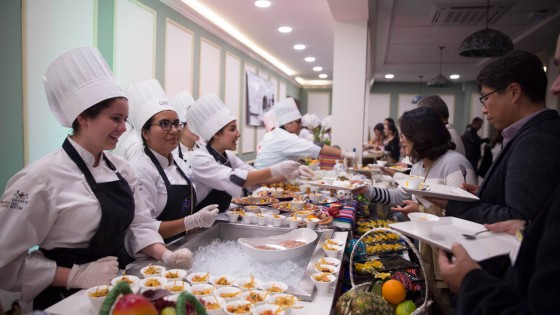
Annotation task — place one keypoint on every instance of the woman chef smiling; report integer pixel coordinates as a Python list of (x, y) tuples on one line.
[(166, 188), (218, 173), (80, 205)]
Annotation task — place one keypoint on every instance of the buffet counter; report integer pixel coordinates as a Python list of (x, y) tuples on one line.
[(302, 287)]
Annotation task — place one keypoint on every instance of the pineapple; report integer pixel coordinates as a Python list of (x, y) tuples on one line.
[(357, 302)]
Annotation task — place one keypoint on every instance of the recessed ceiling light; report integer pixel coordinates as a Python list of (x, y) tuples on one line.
[(299, 47), (454, 76), (284, 29), (309, 59), (317, 69), (389, 76), (323, 76), (544, 68), (262, 3)]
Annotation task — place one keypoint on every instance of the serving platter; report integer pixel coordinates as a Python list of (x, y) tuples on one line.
[(440, 191), (338, 185), (285, 206), (449, 230), (399, 168), (254, 201)]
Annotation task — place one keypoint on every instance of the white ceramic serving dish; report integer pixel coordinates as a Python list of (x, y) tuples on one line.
[(280, 251)]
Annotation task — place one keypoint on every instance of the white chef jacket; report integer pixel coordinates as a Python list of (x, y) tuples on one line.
[(129, 145), (186, 152), (306, 134), (49, 203), (210, 174), (279, 145), (151, 185)]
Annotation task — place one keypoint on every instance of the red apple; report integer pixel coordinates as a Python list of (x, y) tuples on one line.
[(132, 304)]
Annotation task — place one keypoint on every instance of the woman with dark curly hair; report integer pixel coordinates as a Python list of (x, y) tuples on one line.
[(427, 142)]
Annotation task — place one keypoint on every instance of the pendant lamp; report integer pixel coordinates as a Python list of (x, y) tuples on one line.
[(487, 42), (418, 97), (439, 80)]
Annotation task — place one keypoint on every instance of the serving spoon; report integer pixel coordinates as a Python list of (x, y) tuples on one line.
[(473, 236)]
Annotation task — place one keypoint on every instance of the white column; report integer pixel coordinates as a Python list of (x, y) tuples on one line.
[(349, 84)]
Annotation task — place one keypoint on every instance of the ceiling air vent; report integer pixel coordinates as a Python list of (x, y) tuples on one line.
[(469, 14)]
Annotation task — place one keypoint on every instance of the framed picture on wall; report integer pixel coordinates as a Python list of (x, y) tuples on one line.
[(260, 98)]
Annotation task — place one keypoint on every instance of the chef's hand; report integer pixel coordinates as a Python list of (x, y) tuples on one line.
[(94, 273), (181, 258), (347, 154), (305, 171), (454, 271), (203, 218), (409, 207), (284, 168)]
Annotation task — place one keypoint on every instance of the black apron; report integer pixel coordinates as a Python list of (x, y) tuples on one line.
[(117, 212), (219, 197), (180, 198)]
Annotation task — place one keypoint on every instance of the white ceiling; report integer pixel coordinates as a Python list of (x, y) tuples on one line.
[(405, 41)]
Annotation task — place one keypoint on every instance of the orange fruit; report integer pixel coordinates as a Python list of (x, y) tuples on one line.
[(393, 291)]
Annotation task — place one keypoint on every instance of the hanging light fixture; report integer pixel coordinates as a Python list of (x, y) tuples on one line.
[(418, 97), (486, 42), (439, 80)]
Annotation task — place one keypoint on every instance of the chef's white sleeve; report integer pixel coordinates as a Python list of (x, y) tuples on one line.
[(217, 176), (26, 216)]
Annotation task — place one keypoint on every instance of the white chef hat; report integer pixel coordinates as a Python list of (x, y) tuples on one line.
[(327, 122), (286, 111), (208, 115), (180, 102), (306, 120), (315, 121), (146, 99), (269, 120), (77, 80)]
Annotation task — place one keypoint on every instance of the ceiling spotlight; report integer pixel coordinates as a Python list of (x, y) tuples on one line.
[(262, 3), (309, 59), (317, 69), (284, 29), (454, 76), (389, 76), (323, 76), (299, 47)]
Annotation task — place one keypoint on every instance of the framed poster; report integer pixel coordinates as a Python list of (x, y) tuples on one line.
[(260, 98)]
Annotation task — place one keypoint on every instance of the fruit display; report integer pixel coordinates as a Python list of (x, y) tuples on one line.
[(149, 303), (405, 308), (369, 266), (384, 247), (380, 237), (357, 302), (393, 291), (364, 226)]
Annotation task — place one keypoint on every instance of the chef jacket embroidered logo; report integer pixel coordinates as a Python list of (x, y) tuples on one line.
[(19, 200)]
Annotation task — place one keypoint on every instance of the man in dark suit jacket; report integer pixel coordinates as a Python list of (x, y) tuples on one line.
[(530, 283), (513, 90), (530, 286)]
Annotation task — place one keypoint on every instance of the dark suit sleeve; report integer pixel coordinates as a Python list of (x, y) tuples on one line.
[(481, 293), (532, 172)]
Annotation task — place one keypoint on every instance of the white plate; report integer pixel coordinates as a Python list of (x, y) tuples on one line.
[(449, 230), (248, 245), (368, 170), (399, 169), (441, 191), (325, 186)]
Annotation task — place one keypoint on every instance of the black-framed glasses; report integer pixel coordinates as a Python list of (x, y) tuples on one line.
[(484, 98), (166, 124)]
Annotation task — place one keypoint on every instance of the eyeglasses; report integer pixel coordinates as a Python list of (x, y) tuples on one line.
[(165, 124), (484, 98)]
